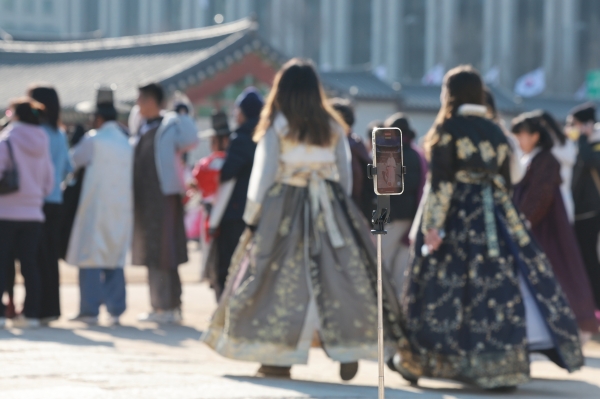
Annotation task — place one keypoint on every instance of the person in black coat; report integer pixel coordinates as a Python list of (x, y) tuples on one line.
[(238, 166), (362, 189), (586, 189), (396, 245)]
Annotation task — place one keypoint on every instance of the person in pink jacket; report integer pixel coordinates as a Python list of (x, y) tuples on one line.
[(21, 215)]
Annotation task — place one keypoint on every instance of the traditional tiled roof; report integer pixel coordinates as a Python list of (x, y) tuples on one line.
[(417, 97), (187, 59), (361, 85), (558, 107), (175, 59), (182, 40), (506, 102)]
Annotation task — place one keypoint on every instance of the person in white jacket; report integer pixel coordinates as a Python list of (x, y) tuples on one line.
[(103, 226)]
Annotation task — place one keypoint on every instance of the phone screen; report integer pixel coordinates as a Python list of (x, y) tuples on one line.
[(388, 158)]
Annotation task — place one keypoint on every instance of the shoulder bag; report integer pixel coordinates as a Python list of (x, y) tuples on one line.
[(9, 183)]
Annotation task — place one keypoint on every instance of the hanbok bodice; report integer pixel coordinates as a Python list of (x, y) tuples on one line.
[(279, 159), (304, 163), (299, 163), (466, 149)]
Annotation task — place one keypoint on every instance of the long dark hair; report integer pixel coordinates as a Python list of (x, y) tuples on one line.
[(530, 123), (402, 122), (48, 96), (462, 85), (298, 94), (344, 107), (27, 110), (557, 133)]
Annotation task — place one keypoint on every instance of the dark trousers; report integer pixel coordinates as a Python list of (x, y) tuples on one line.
[(165, 288), (587, 231), (230, 232), (48, 260), (21, 240)]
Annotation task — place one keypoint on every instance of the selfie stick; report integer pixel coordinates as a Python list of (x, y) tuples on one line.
[(381, 216)]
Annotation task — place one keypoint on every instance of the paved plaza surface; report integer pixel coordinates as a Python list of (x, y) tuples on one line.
[(143, 360)]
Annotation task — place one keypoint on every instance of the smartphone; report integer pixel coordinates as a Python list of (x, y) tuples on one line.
[(388, 158)]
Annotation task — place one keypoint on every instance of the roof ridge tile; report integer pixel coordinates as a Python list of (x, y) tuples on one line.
[(112, 43)]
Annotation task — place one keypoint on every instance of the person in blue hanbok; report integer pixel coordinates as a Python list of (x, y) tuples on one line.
[(482, 296)]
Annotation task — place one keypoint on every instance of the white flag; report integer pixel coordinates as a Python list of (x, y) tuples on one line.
[(435, 76), (581, 93), (492, 77), (531, 84), (381, 72)]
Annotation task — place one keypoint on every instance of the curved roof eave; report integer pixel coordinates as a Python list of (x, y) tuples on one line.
[(126, 42)]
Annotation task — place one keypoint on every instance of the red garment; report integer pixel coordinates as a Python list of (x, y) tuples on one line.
[(207, 173)]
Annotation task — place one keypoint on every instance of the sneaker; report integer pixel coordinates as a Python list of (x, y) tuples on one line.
[(176, 316), (158, 316), (2, 322), (394, 364), (90, 320), (348, 370), (113, 321), (274, 371), (25, 322), (162, 317), (45, 321)]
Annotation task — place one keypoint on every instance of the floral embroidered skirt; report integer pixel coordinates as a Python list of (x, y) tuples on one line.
[(292, 264), (464, 311)]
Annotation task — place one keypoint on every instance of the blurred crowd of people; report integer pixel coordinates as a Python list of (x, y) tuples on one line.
[(491, 252), (112, 192)]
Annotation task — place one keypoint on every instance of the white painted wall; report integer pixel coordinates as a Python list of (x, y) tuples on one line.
[(421, 122), (367, 111)]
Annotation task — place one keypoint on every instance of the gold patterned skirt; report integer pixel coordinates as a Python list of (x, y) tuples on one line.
[(464, 311), (291, 278)]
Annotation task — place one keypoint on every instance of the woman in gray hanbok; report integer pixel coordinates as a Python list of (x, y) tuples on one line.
[(307, 262)]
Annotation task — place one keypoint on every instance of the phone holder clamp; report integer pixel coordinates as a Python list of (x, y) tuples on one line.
[(371, 171), (381, 215)]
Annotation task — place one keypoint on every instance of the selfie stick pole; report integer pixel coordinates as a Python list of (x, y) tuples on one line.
[(380, 218)]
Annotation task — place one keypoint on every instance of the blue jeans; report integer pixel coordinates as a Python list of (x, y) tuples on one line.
[(101, 286)]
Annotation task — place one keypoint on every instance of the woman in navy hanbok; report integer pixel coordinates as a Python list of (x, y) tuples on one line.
[(482, 296)]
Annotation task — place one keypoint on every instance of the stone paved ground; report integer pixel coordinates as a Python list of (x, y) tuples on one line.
[(138, 360)]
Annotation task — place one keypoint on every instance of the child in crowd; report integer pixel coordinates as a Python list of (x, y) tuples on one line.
[(207, 174), (538, 197)]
